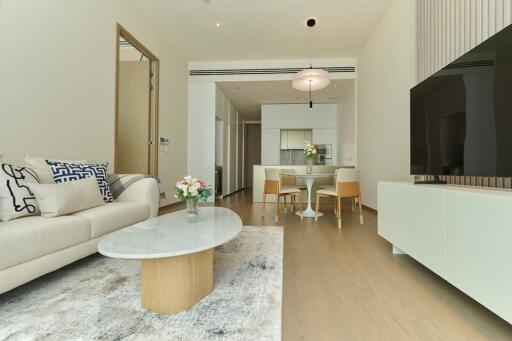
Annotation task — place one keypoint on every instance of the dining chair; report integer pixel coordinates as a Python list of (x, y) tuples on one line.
[(274, 186), (347, 186), (289, 179)]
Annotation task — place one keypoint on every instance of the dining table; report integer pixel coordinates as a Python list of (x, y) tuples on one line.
[(309, 179)]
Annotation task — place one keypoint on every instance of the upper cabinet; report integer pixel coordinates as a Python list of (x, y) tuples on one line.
[(308, 136), (294, 139), (284, 139)]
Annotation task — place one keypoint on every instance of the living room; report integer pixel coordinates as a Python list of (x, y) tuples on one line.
[(368, 251)]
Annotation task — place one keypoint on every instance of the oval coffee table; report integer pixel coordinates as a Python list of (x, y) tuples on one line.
[(177, 256)]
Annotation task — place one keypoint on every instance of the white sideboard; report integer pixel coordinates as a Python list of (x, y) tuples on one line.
[(463, 234)]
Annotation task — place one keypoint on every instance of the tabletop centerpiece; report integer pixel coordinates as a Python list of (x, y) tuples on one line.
[(309, 153), (192, 191)]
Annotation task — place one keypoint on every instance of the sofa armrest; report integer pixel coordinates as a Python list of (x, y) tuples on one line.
[(144, 191)]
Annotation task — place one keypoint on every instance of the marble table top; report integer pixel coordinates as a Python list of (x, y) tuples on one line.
[(171, 235)]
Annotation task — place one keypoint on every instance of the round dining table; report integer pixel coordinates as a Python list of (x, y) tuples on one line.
[(309, 179)]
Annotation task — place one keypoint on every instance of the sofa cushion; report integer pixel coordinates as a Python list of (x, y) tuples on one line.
[(16, 199), (113, 216), (39, 165), (68, 197), (28, 238), (64, 172)]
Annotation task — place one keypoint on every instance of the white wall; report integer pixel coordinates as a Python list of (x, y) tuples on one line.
[(57, 81), (347, 125), (211, 112), (274, 117), (270, 145), (219, 142), (201, 135), (233, 140), (240, 133), (386, 72), (298, 116)]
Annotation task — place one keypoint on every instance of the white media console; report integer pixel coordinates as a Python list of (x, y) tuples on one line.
[(463, 234)]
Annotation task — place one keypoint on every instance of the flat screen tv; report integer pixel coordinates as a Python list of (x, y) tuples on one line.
[(461, 117)]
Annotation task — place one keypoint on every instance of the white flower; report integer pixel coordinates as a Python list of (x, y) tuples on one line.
[(193, 190), (184, 188)]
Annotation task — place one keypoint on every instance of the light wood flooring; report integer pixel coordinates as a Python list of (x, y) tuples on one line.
[(347, 285)]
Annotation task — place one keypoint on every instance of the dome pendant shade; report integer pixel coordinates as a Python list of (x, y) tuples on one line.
[(311, 80)]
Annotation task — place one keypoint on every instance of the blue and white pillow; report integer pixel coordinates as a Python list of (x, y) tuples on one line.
[(64, 172)]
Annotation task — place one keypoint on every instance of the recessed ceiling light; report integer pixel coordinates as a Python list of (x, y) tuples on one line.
[(217, 25), (310, 22)]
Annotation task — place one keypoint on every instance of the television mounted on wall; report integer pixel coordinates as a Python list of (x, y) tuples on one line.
[(461, 116)]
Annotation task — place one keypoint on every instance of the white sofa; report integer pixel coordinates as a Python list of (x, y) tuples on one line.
[(33, 246)]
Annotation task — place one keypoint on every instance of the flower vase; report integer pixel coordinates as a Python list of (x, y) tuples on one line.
[(309, 166), (192, 211)]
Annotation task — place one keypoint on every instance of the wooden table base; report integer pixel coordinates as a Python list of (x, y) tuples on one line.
[(171, 285)]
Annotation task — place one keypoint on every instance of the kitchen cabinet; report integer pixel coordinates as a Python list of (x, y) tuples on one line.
[(308, 136), (327, 137), (294, 139), (284, 139)]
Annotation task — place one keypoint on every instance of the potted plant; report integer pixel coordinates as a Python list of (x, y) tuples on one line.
[(309, 153), (192, 191)]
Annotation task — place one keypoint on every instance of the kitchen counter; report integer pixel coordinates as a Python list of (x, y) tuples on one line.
[(259, 180)]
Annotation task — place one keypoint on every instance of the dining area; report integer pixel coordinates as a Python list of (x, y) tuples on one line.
[(307, 191)]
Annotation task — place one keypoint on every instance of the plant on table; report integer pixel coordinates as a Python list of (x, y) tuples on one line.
[(309, 150), (309, 153), (192, 190)]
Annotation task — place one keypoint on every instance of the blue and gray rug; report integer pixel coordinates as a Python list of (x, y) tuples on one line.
[(98, 298)]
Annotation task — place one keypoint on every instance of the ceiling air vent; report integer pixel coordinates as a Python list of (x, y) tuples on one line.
[(477, 63), (272, 71)]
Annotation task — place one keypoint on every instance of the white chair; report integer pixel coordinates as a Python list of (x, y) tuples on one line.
[(273, 186), (288, 179), (332, 188), (347, 186)]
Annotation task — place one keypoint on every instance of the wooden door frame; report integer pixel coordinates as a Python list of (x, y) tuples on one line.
[(153, 103)]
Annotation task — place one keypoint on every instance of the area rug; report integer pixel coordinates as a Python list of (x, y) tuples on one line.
[(98, 298)]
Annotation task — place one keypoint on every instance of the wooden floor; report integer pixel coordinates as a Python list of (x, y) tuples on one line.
[(346, 285)]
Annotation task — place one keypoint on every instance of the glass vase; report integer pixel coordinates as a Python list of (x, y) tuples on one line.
[(192, 211), (309, 166)]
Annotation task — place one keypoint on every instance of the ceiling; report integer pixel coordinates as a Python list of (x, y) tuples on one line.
[(248, 97), (265, 29)]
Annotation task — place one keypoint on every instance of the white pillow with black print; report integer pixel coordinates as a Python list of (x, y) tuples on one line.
[(65, 172), (16, 199)]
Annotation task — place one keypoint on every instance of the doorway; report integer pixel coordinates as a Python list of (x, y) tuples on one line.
[(136, 123), (252, 151)]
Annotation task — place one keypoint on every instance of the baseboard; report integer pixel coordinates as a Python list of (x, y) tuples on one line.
[(170, 205), (374, 211), (230, 194)]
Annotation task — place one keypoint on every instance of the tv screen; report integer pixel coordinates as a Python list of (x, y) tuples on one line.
[(461, 117)]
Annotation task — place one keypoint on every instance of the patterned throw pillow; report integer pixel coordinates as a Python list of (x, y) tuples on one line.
[(16, 199), (64, 172)]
